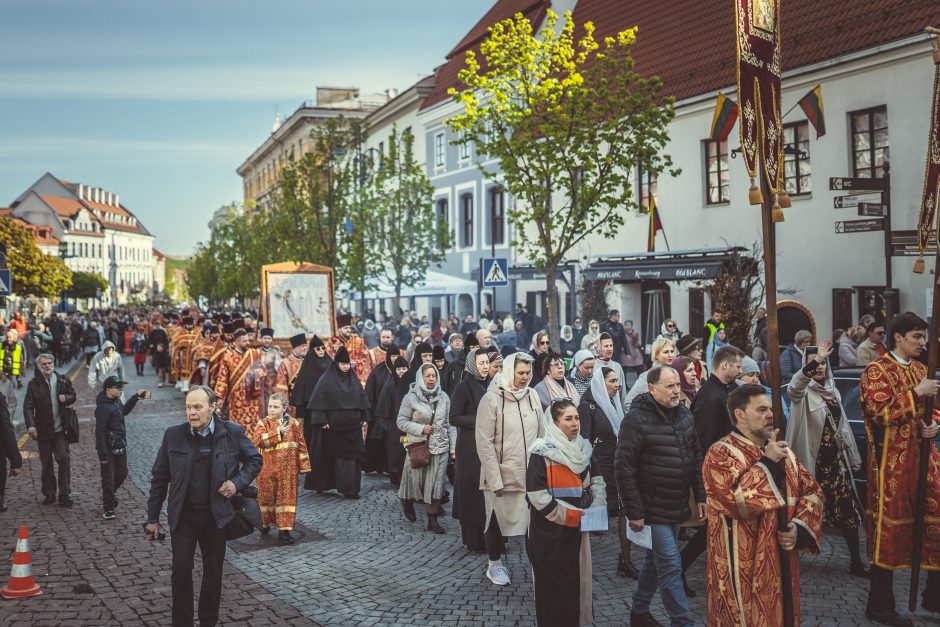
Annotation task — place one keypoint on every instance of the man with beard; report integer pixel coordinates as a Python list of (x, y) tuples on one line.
[(378, 353), (271, 361), (289, 368), (359, 356), (239, 387), (376, 459)]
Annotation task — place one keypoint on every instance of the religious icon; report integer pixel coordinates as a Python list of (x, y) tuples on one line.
[(762, 14)]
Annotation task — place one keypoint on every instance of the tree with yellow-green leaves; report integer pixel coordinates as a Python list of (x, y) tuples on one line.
[(33, 272), (568, 121)]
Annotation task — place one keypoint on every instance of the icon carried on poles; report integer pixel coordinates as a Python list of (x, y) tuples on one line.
[(21, 583), (495, 272)]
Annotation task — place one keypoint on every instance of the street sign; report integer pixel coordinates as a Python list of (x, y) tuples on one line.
[(904, 243), (495, 272), (856, 184), (6, 282), (859, 226), (871, 209), (843, 202)]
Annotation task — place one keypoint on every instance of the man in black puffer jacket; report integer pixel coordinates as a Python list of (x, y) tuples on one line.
[(658, 461), (111, 439)]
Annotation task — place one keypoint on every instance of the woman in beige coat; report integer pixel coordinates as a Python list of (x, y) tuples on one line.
[(509, 419), (819, 434)]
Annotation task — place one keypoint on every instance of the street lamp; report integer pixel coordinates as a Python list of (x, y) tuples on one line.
[(64, 255)]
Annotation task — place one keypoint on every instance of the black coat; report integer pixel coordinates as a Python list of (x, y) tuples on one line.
[(710, 408), (90, 337), (9, 450), (109, 422), (596, 429), (37, 406), (658, 461), (468, 499), (174, 464)]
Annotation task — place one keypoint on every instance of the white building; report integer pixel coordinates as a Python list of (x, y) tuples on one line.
[(100, 234)]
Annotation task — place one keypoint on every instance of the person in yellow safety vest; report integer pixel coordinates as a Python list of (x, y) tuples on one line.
[(12, 365), (711, 327)]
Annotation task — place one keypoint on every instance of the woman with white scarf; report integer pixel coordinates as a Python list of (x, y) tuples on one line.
[(819, 435), (559, 487), (423, 417), (554, 385), (509, 419), (601, 413)]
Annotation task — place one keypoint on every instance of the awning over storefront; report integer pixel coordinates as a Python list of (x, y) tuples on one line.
[(434, 284), (528, 273), (677, 265)]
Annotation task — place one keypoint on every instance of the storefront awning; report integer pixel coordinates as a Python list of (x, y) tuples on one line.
[(434, 284), (528, 273), (678, 265)]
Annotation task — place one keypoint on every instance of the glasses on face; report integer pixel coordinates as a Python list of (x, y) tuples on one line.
[(670, 326), (556, 362), (561, 399), (543, 343)]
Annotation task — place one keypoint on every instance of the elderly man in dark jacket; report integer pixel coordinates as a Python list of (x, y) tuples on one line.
[(657, 463), (202, 464), (46, 408), (111, 439)]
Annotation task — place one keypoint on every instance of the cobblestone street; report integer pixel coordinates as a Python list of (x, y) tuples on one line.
[(356, 562)]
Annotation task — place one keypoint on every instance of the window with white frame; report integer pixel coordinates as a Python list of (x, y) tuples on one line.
[(439, 150)]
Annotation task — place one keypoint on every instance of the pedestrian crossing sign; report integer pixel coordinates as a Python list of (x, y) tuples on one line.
[(6, 285), (495, 272)]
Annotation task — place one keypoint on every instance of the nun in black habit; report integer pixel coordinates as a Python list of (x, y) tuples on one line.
[(386, 415), (469, 507), (339, 407), (316, 362), (376, 458), (457, 369)]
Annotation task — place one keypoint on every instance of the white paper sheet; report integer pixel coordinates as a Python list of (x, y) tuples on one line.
[(594, 519), (643, 537)]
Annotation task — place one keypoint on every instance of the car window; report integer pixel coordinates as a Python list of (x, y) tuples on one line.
[(851, 398)]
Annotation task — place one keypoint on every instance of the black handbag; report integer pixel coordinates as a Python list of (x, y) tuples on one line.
[(70, 425), (247, 511)]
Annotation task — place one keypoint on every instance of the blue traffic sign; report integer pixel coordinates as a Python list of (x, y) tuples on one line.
[(495, 272), (6, 283)]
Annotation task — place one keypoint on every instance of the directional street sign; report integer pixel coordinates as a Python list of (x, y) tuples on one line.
[(859, 226), (842, 202), (495, 272), (871, 209), (856, 184), (6, 283)]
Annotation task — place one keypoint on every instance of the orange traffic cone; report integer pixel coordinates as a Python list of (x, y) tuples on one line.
[(21, 582)]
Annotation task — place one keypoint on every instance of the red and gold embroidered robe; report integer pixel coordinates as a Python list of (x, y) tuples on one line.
[(239, 386), (202, 351), (181, 357), (215, 360), (286, 373), (358, 354), (743, 552), (172, 333), (892, 411), (285, 457), (271, 361)]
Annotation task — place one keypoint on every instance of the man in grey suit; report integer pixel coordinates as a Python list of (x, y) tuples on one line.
[(200, 482)]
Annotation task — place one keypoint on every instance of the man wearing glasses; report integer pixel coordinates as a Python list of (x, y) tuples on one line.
[(873, 347)]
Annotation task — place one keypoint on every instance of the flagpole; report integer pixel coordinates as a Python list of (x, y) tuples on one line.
[(665, 239)]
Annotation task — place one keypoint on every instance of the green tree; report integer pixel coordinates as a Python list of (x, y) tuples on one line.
[(402, 234), (33, 272), (568, 122), (202, 275), (86, 284)]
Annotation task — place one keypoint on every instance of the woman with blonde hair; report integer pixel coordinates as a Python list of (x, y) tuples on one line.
[(664, 351)]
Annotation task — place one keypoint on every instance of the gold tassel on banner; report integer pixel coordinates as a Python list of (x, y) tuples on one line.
[(919, 265), (776, 213), (753, 195), (784, 198)]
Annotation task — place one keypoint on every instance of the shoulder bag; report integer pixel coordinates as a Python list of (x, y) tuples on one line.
[(247, 512), (419, 453), (69, 419)]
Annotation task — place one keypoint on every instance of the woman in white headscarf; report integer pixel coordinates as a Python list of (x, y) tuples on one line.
[(590, 338), (509, 419), (554, 385), (423, 417), (601, 413), (559, 487)]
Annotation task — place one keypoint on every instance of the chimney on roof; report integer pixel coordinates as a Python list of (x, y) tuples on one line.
[(97, 196), (81, 190), (117, 200), (391, 93)]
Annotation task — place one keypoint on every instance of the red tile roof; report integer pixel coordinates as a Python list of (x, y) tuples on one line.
[(503, 9), (64, 207), (691, 44)]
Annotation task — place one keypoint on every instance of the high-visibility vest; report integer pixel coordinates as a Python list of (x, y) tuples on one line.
[(17, 357)]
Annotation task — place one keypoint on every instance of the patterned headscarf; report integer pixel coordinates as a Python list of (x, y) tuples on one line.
[(471, 366)]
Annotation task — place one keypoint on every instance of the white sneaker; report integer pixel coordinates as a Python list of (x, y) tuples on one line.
[(497, 573)]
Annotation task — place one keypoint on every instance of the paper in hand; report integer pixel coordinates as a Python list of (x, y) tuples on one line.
[(643, 537), (594, 519)]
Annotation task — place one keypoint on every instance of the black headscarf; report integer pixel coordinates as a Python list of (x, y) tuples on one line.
[(310, 372), (388, 404), (405, 382), (337, 389)]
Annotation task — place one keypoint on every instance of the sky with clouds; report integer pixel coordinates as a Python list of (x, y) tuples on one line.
[(160, 102)]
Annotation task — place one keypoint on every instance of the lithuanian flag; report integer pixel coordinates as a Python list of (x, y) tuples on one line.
[(656, 225), (812, 105), (726, 114)]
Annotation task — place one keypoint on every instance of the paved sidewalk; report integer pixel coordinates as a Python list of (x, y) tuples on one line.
[(97, 572)]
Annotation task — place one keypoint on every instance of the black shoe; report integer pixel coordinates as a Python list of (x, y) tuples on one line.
[(889, 617), (66, 501), (49, 500), (689, 591), (931, 605), (857, 569), (433, 525), (625, 568), (408, 507), (643, 620), (284, 538), (265, 531)]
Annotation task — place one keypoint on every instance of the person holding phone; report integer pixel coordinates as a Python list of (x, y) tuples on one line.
[(819, 434), (111, 439)]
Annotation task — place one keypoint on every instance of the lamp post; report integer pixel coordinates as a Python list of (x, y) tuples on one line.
[(64, 255)]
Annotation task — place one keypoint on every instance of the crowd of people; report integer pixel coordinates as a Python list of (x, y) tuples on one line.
[(678, 448)]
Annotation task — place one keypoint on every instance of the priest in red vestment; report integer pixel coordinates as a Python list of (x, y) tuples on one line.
[(240, 382), (289, 368), (746, 474)]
